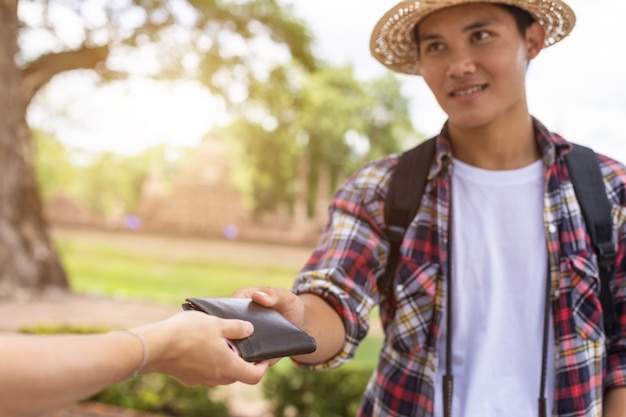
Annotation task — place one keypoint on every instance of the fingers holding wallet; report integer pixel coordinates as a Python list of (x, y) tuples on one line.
[(309, 312), (274, 336), (202, 355), (282, 300)]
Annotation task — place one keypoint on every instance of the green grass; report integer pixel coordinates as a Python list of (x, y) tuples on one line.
[(367, 354), (106, 269), (103, 269)]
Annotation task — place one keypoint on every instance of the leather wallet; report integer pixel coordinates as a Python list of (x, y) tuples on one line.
[(274, 336)]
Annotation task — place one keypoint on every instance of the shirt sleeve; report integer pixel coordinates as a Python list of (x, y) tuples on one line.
[(615, 176), (350, 256)]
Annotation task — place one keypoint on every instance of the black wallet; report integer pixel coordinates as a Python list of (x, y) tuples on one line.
[(274, 336)]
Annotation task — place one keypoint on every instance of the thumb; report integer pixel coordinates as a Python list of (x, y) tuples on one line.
[(237, 329)]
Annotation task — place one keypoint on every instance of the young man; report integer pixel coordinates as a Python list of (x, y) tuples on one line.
[(498, 231)]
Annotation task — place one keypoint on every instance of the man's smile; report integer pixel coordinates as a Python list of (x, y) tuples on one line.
[(469, 90)]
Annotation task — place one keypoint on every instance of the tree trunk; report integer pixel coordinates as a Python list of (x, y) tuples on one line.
[(28, 262)]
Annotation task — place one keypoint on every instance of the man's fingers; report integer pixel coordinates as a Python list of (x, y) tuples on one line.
[(260, 295), (264, 298), (246, 292)]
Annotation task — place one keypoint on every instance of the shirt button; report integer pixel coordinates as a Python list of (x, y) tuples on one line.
[(552, 228)]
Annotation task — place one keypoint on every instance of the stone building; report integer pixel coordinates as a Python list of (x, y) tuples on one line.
[(203, 201)]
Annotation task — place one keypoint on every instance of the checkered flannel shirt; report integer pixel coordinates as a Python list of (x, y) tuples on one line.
[(352, 254)]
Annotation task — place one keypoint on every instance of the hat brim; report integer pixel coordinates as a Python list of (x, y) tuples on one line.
[(393, 42)]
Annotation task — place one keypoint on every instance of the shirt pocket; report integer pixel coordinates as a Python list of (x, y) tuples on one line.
[(584, 297), (415, 300)]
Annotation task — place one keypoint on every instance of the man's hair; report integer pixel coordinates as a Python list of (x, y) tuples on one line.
[(523, 20)]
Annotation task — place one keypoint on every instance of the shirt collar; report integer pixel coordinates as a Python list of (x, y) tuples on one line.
[(551, 145)]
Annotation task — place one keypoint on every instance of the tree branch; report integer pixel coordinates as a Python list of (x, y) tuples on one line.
[(41, 71)]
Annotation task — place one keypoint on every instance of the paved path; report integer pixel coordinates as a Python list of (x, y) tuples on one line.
[(75, 309)]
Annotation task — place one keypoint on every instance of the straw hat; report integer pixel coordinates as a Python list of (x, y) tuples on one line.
[(393, 40)]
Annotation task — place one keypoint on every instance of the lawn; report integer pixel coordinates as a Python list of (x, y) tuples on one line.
[(104, 269), (125, 269)]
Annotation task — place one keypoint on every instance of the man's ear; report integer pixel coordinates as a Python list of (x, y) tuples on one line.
[(535, 39)]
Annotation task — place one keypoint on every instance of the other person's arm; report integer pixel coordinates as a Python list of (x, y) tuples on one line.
[(39, 373)]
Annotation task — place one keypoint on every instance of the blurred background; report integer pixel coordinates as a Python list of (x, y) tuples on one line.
[(153, 150)]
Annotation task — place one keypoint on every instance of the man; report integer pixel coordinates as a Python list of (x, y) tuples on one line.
[(468, 331)]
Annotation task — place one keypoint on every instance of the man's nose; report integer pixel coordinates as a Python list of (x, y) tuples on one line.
[(461, 64)]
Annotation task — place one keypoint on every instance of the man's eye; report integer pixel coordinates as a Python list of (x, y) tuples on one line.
[(434, 47), (480, 35)]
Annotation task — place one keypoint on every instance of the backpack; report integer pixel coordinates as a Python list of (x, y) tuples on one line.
[(408, 182)]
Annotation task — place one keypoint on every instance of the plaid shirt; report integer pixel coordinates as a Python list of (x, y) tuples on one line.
[(352, 255)]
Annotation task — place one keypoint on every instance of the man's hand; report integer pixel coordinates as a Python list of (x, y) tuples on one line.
[(307, 311), (284, 301)]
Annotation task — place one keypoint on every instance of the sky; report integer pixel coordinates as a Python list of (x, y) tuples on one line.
[(575, 87)]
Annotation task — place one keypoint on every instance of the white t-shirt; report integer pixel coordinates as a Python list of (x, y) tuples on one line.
[(499, 272)]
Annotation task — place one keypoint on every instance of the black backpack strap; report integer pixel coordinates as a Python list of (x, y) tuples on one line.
[(406, 188), (584, 170)]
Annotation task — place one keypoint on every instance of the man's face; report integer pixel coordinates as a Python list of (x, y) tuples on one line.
[(474, 60)]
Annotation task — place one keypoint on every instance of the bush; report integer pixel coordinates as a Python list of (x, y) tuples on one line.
[(158, 393), (303, 393), (61, 328)]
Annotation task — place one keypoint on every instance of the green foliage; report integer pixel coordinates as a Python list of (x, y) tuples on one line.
[(188, 40), (158, 393), (111, 183), (333, 105), (265, 163), (298, 133), (389, 128), (104, 183), (62, 329), (53, 166), (366, 355), (266, 171), (314, 127), (253, 23), (331, 393)]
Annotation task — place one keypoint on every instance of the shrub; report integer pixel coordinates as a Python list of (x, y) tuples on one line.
[(61, 328), (158, 393), (303, 393)]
